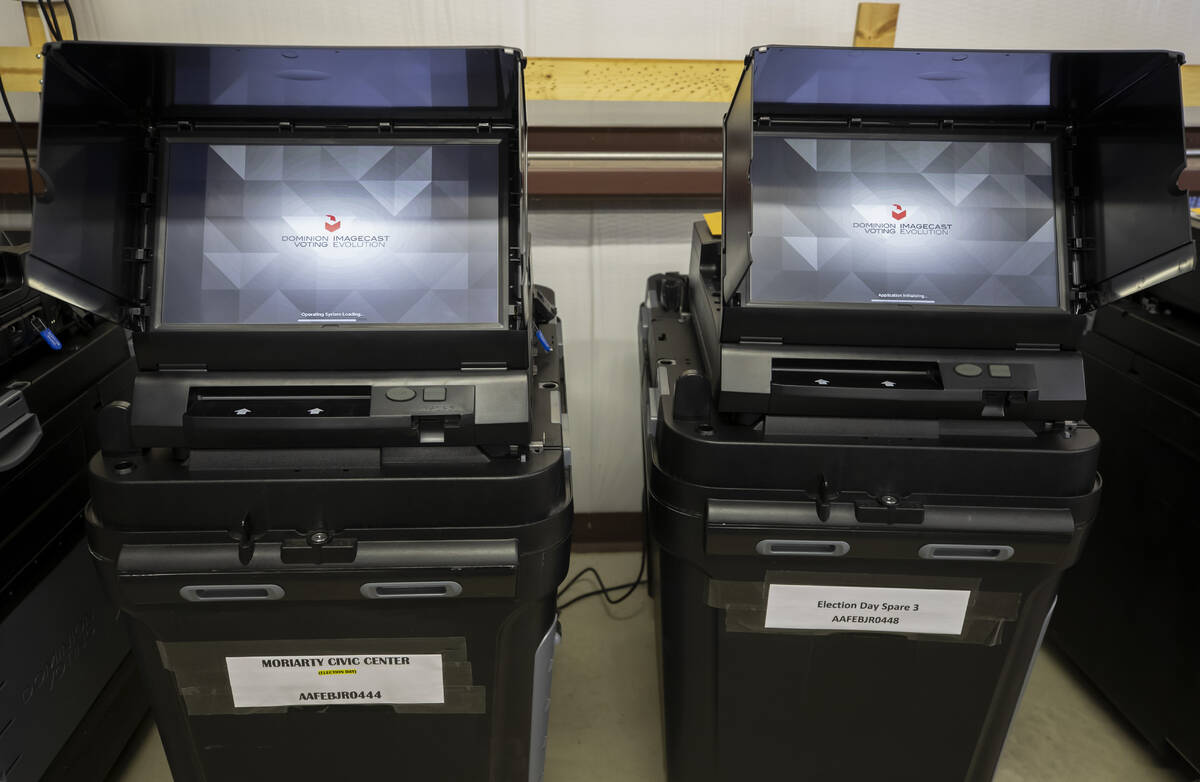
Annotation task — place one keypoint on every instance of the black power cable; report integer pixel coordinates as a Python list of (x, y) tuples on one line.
[(71, 15), (51, 20), (630, 587), (21, 142)]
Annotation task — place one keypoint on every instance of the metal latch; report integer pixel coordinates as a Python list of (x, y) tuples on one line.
[(889, 509), (20, 430), (319, 548)]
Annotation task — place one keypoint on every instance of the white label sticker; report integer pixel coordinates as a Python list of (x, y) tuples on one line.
[(335, 679), (867, 609)]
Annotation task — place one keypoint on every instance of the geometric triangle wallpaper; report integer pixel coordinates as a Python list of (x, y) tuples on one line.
[(913, 221), (304, 233)]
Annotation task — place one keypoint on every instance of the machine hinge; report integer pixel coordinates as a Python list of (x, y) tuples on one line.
[(136, 318), (484, 127), (470, 366), (760, 340)]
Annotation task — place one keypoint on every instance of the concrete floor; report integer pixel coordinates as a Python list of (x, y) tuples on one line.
[(604, 724)]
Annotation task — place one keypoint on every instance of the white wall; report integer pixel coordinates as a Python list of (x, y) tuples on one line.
[(597, 258), (689, 29)]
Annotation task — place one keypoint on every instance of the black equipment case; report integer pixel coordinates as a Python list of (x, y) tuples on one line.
[(71, 698), (864, 483), (1127, 606), (335, 511)]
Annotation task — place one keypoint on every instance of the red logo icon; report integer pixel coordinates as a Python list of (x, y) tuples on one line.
[(899, 212), (332, 223)]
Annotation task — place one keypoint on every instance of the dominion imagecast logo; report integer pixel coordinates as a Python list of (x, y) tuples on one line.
[(359, 234), (877, 223)]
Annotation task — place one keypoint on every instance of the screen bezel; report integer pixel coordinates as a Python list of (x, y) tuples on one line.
[(160, 232), (924, 134)]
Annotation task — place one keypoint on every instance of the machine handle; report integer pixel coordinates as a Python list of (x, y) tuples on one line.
[(410, 589), (225, 593), (18, 440), (961, 551), (803, 548)]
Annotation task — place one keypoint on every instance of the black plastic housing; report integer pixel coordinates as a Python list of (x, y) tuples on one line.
[(74, 724), (494, 522), (1144, 397), (1185, 291), (737, 503)]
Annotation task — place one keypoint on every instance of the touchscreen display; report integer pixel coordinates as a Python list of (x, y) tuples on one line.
[(296, 233), (863, 221)]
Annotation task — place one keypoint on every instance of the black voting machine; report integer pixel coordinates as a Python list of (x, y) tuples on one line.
[(71, 697), (336, 508), (1126, 614), (867, 462)]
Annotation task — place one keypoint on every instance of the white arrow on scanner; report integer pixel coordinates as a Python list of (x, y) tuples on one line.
[(243, 411), (316, 411), (821, 382), (888, 384)]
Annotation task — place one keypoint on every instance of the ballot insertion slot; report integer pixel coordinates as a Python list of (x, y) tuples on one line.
[(849, 373), (280, 402)]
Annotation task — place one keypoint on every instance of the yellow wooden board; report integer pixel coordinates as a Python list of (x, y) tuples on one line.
[(1191, 85), (713, 219), (554, 78), (876, 25), (21, 66)]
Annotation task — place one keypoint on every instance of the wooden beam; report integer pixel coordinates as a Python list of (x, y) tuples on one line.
[(608, 532), (12, 176), (567, 78), (1191, 85), (697, 181), (21, 66), (876, 25)]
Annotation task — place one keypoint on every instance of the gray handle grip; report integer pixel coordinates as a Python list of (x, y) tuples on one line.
[(226, 593), (410, 589), (803, 548), (960, 551)]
